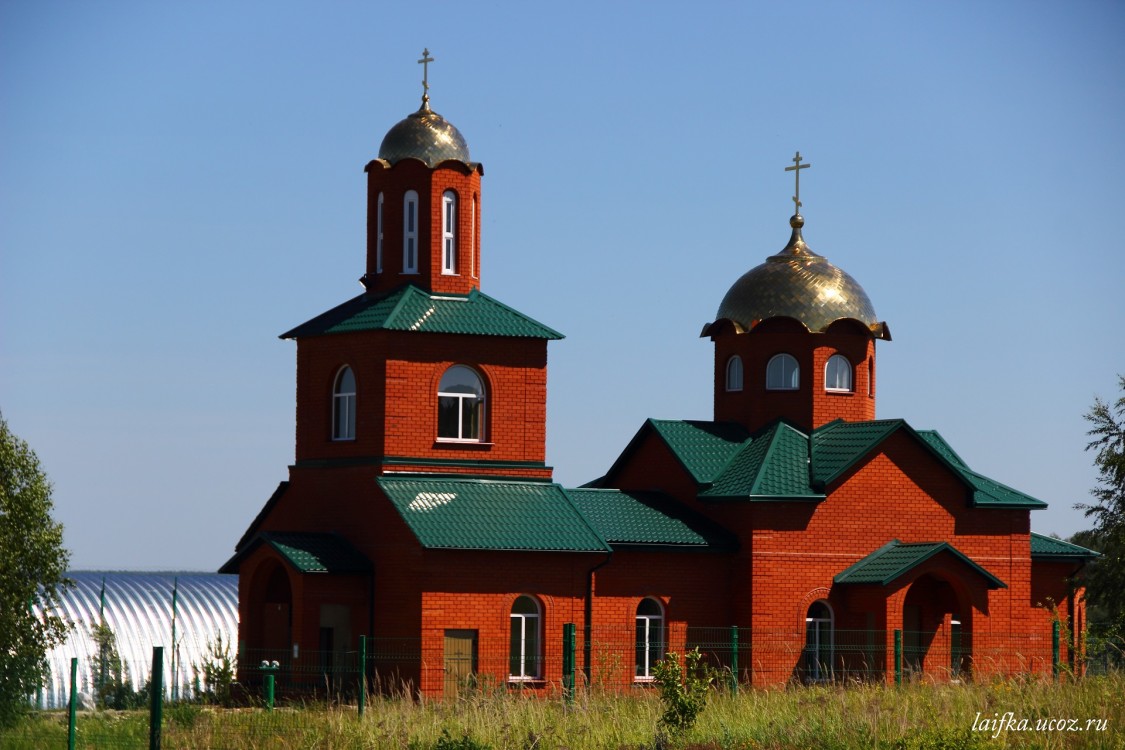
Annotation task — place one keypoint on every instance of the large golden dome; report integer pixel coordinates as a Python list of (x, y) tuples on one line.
[(424, 135), (797, 283)]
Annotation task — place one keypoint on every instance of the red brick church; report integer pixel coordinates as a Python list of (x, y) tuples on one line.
[(420, 512)]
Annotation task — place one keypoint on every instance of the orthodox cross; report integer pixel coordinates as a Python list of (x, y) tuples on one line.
[(796, 168), (425, 63)]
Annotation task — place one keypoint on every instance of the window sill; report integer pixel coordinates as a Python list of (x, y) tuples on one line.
[(342, 440), (526, 681), (836, 392), (462, 443)]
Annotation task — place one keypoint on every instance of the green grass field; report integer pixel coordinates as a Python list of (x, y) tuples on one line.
[(921, 716)]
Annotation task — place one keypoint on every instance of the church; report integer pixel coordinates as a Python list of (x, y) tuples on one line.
[(792, 536)]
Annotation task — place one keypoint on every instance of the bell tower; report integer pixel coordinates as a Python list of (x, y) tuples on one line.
[(423, 206), (795, 340)]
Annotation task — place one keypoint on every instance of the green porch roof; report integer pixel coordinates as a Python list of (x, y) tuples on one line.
[(895, 559), (409, 308), (648, 519), (306, 552), (1049, 548), (446, 513)]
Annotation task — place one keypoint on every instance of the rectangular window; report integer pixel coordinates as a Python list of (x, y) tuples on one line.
[(379, 235), (449, 233), (410, 233)]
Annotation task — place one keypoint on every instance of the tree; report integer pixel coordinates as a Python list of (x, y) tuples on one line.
[(32, 573), (1105, 579)]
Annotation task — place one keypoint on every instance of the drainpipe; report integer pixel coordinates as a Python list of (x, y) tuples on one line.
[(588, 625)]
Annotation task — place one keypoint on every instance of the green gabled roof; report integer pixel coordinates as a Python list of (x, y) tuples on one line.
[(895, 559), (774, 465), (703, 448), (1049, 548), (314, 553), (939, 445), (837, 445), (490, 514), (648, 518), (409, 308)]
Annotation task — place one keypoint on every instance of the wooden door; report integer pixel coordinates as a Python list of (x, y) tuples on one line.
[(460, 661)]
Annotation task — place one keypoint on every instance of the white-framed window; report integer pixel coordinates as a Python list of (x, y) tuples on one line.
[(461, 405), (410, 232), (818, 642), (524, 651), (473, 238), (734, 373), (379, 234), (838, 373), (343, 405), (650, 637), (783, 373), (449, 232)]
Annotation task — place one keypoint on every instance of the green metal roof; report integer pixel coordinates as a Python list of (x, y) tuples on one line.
[(774, 465), (988, 493), (838, 445), (446, 513), (938, 443), (409, 308), (1049, 548), (895, 559), (648, 518), (306, 552), (704, 448)]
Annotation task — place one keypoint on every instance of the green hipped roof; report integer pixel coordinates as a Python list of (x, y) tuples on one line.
[(895, 559), (490, 514), (307, 552), (409, 308), (648, 519), (781, 463), (1049, 548)]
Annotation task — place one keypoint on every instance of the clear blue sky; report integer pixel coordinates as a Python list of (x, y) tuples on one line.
[(181, 182)]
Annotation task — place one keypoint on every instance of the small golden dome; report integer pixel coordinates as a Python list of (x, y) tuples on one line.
[(797, 283), (424, 135)]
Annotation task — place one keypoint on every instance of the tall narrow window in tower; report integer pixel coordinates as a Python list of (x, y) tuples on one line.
[(838, 374), (650, 637), (449, 232), (460, 405), (343, 405), (473, 238), (783, 373), (734, 373), (523, 653), (379, 234), (410, 232)]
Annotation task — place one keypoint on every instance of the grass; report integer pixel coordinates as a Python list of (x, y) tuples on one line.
[(913, 717)]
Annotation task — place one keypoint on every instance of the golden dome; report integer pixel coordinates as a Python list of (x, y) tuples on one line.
[(424, 135), (797, 283)]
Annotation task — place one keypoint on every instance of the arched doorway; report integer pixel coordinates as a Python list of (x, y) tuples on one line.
[(935, 628), (819, 642)]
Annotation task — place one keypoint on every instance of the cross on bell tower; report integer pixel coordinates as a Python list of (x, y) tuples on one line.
[(425, 63), (796, 169)]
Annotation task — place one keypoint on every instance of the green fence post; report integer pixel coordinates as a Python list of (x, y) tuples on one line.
[(72, 722), (569, 647), (156, 710), (898, 657), (1055, 649), (362, 673), (734, 658)]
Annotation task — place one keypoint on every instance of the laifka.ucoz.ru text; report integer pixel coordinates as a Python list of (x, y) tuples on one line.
[(1008, 722)]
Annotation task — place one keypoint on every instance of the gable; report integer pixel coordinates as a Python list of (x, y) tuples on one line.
[(895, 559)]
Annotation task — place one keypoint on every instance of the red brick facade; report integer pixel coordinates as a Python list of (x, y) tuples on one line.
[(420, 605)]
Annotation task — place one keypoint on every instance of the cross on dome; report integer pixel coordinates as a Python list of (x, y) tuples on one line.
[(796, 168), (425, 63)]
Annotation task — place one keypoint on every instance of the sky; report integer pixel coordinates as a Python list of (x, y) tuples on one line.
[(180, 183)]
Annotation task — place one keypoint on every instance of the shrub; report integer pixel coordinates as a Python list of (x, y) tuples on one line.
[(683, 690)]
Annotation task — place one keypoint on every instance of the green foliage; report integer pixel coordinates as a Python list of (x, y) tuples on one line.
[(216, 673), (112, 687), (32, 569), (464, 742), (1105, 577), (683, 690)]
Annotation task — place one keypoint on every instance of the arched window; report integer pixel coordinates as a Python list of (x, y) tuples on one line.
[(410, 232), (818, 642), (650, 637), (460, 405), (838, 374), (523, 653), (343, 405), (449, 232), (379, 235), (783, 373), (734, 373)]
